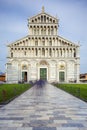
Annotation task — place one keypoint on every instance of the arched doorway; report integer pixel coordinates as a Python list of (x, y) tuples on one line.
[(24, 76), (61, 76), (24, 73), (62, 71), (43, 70), (43, 73)]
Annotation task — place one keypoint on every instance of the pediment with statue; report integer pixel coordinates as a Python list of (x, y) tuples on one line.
[(43, 31), (43, 17)]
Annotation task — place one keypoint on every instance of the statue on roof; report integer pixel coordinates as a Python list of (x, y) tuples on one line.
[(42, 9)]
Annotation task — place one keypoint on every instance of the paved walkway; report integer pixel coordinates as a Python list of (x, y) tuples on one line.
[(44, 108)]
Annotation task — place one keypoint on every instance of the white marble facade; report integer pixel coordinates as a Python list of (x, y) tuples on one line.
[(43, 51)]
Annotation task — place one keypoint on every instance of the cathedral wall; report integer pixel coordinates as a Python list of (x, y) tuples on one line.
[(54, 68), (71, 71), (43, 51), (12, 72)]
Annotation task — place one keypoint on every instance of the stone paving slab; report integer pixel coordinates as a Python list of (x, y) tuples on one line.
[(44, 108)]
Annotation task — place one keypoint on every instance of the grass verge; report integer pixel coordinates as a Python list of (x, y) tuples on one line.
[(78, 90), (10, 91)]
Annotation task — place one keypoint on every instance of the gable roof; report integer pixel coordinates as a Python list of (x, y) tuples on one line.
[(43, 13), (24, 39), (17, 41), (67, 41)]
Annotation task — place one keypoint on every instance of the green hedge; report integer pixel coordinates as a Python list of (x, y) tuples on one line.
[(78, 90), (10, 91)]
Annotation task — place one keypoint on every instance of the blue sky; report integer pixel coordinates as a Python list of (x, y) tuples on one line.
[(72, 15)]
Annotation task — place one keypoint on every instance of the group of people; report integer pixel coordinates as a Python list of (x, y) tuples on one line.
[(40, 83)]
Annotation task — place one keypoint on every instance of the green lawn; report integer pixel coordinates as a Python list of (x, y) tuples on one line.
[(10, 91), (78, 90)]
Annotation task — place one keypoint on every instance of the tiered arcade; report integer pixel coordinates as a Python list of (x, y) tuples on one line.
[(43, 54)]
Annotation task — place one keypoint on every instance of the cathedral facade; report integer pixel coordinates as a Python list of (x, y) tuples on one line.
[(43, 54)]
